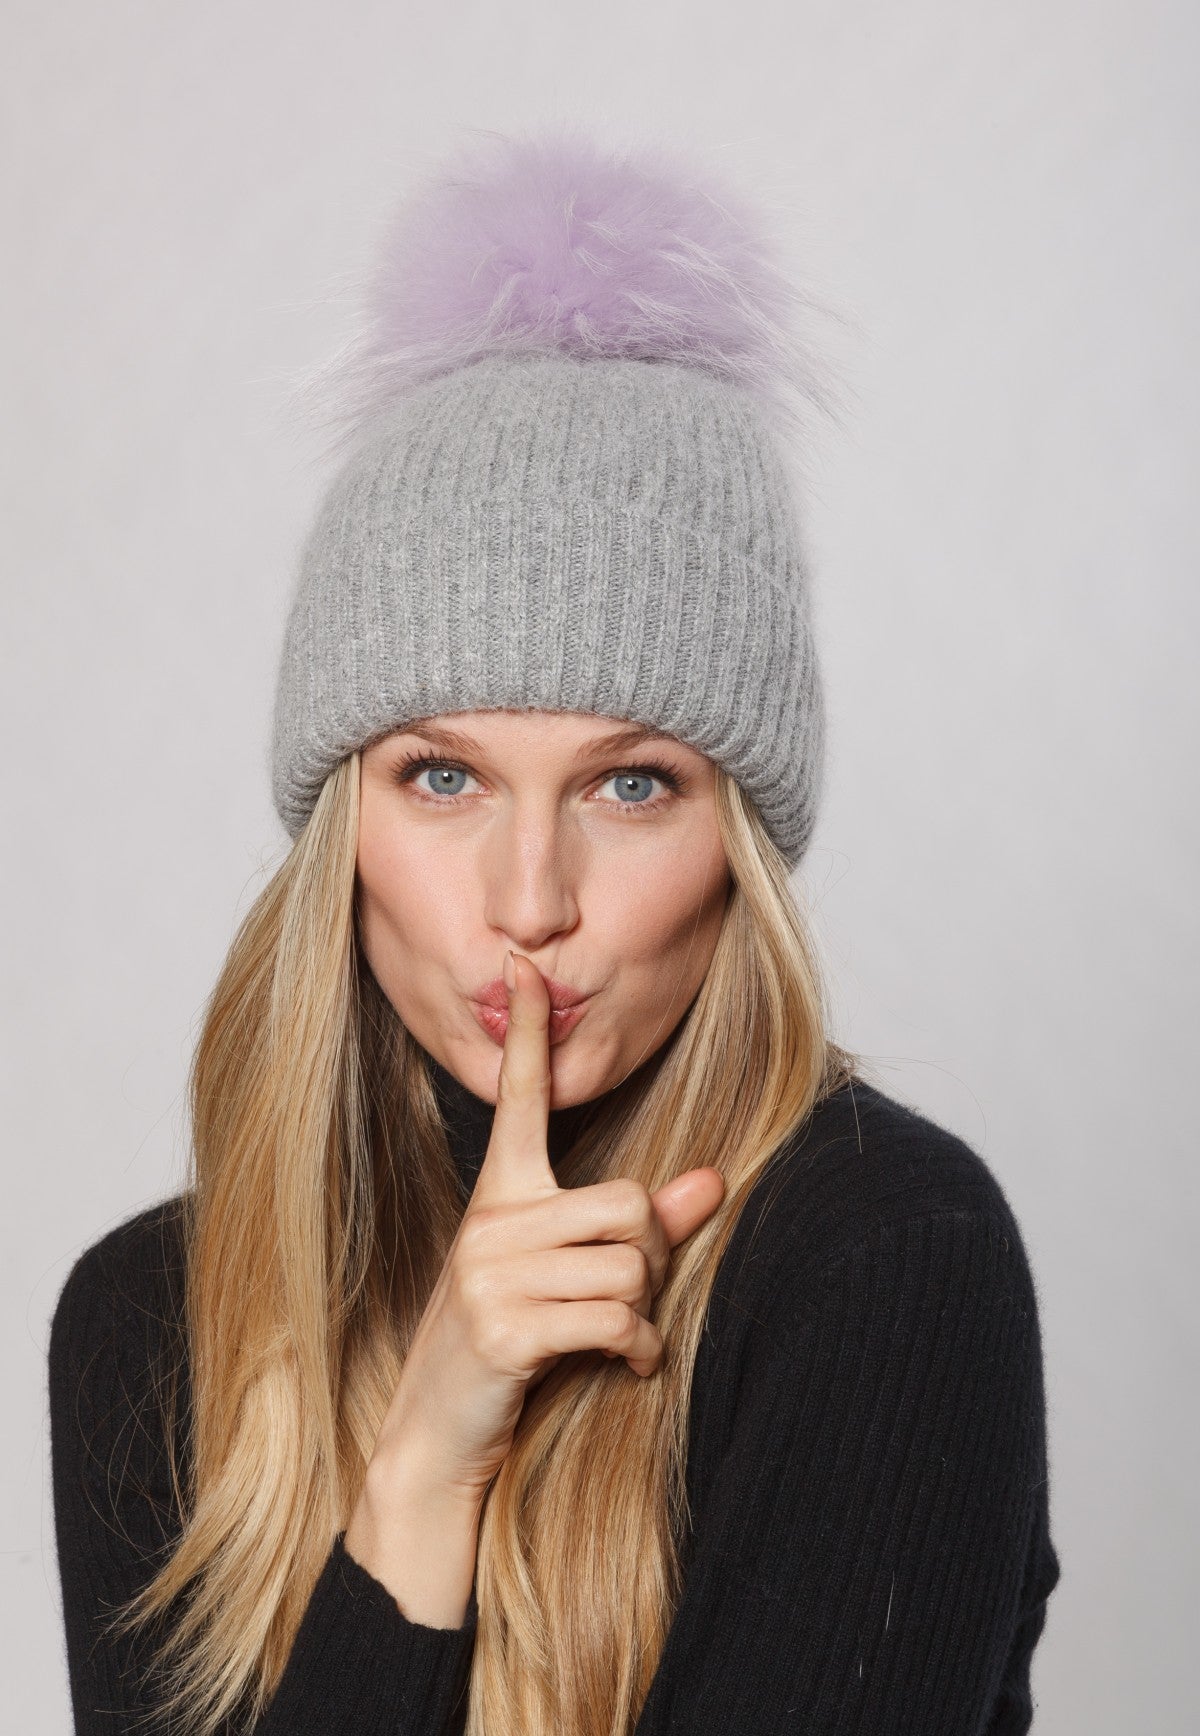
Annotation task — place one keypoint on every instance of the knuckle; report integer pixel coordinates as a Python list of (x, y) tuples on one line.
[(498, 1337), (632, 1199), (508, 1085), (621, 1322), (631, 1266), (478, 1229), (517, 1083), (476, 1287)]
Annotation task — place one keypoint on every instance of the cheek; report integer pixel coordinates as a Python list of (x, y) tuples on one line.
[(412, 897), (668, 907)]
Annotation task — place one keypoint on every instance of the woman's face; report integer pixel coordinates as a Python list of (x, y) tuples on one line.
[(588, 843)]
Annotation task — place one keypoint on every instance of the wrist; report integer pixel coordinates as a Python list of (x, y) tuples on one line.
[(418, 1535), (409, 1477)]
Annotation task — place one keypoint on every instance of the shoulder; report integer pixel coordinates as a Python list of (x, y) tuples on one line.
[(117, 1344), (136, 1266), (876, 1298), (866, 1171), (886, 1247)]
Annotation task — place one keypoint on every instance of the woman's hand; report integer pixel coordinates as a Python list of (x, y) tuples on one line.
[(534, 1272)]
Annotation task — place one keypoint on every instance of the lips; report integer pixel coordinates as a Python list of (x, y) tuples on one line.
[(568, 1005), (494, 1020), (562, 995)]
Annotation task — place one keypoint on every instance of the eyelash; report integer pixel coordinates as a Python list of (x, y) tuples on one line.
[(406, 771)]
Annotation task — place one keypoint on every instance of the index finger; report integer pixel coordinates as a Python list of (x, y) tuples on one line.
[(517, 1163)]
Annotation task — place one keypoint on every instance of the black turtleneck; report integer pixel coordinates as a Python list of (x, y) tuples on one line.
[(870, 1548)]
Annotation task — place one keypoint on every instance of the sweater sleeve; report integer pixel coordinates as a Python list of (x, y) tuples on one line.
[(357, 1663), (859, 1562)]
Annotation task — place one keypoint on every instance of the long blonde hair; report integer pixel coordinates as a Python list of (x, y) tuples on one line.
[(322, 1204)]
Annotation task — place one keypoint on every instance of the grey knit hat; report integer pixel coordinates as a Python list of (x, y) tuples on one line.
[(563, 484)]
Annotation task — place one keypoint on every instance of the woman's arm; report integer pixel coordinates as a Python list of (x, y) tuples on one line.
[(417, 1536), (358, 1663), (860, 1560)]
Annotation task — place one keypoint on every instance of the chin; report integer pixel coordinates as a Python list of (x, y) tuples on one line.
[(574, 1076), (578, 1077)]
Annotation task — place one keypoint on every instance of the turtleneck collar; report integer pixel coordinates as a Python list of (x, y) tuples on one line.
[(468, 1122)]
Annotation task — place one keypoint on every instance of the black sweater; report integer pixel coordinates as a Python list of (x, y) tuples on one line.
[(870, 1548)]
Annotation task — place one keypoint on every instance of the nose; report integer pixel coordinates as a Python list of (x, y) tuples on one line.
[(531, 879)]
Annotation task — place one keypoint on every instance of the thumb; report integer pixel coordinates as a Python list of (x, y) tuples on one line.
[(684, 1203)]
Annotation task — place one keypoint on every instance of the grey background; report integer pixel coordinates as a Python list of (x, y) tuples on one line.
[(999, 199)]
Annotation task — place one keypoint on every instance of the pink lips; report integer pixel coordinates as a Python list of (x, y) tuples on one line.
[(490, 1007), (494, 994)]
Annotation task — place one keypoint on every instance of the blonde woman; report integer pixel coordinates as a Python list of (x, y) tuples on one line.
[(559, 1335)]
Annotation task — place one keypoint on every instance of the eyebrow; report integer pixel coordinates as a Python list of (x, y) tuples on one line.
[(617, 741)]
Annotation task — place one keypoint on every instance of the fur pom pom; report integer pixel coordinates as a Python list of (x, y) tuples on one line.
[(554, 243)]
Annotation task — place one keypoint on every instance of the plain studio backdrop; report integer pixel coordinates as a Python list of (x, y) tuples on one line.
[(999, 203)]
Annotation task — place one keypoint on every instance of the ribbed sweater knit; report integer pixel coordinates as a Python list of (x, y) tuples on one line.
[(869, 1548)]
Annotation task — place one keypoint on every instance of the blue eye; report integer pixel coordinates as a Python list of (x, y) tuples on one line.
[(623, 780), (443, 792), (444, 776), (444, 772)]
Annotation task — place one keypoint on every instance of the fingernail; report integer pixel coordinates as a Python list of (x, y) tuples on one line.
[(510, 972)]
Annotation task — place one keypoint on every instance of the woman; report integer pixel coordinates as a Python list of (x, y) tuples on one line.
[(559, 1333)]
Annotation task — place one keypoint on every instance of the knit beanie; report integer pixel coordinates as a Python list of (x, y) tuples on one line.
[(563, 478)]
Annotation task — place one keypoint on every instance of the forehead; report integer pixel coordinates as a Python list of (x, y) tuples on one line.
[(580, 734)]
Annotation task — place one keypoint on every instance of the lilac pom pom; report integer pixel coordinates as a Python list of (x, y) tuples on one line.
[(555, 243)]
